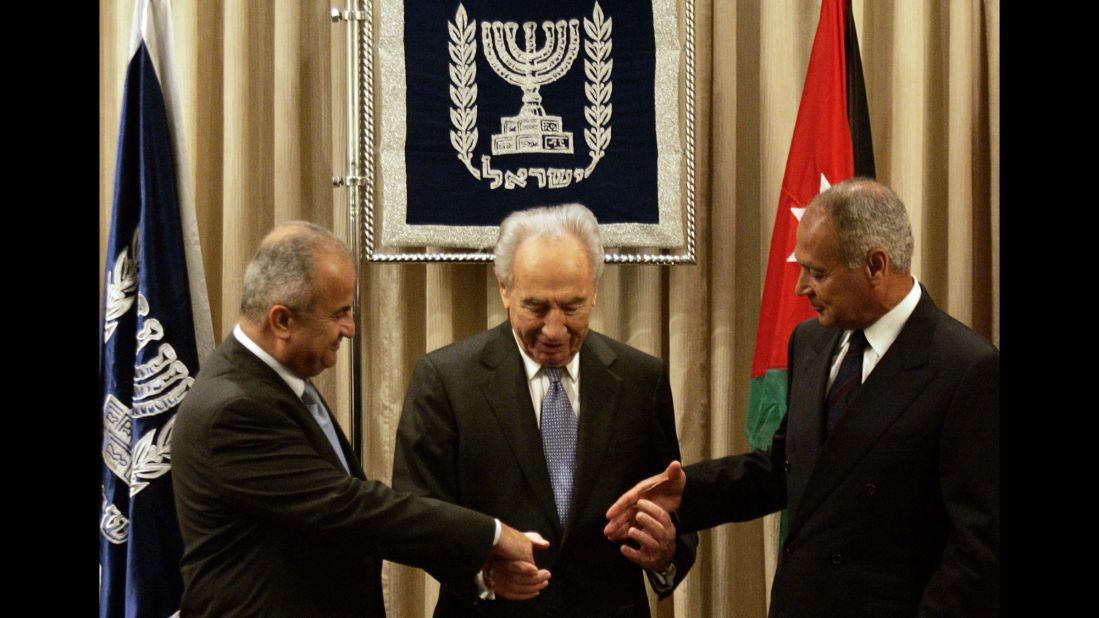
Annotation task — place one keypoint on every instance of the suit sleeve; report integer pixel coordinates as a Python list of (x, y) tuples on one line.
[(967, 582), (667, 450), (735, 488), (740, 487), (265, 466)]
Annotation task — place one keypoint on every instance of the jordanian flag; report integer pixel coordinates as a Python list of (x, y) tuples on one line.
[(156, 327), (831, 143)]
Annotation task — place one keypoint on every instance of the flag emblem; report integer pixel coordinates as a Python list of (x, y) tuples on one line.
[(532, 130)]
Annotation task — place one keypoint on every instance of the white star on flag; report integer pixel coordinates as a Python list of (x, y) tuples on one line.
[(799, 212)]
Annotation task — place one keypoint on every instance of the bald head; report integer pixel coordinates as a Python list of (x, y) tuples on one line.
[(866, 214), (283, 270)]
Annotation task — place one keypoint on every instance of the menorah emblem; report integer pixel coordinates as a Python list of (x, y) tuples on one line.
[(532, 130)]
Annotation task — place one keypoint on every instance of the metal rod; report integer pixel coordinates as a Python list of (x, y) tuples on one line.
[(354, 225)]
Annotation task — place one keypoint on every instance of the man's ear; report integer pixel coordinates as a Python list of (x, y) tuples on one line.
[(877, 264), (503, 293), (279, 318)]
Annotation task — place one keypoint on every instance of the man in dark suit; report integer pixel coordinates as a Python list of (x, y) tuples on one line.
[(888, 458), (543, 423), (276, 514)]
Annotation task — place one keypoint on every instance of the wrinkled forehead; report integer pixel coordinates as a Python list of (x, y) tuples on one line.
[(552, 262)]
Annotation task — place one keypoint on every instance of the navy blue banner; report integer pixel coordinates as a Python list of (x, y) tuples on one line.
[(492, 116), (147, 362)]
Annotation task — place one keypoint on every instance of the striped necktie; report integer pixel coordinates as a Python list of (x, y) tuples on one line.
[(848, 380)]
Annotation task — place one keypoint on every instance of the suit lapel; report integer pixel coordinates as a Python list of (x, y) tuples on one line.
[(899, 377), (599, 389), (244, 360), (508, 396), (806, 404)]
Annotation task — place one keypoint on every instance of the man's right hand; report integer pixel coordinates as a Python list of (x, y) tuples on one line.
[(665, 489), (510, 570)]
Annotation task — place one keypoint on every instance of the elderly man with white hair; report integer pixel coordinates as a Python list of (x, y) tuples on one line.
[(543, 423)]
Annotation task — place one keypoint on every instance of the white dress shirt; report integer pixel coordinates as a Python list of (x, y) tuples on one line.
[(539, 382), (296, 384), (879, 336)]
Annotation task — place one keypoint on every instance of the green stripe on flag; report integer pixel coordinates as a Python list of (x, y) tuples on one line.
[(766, 407)]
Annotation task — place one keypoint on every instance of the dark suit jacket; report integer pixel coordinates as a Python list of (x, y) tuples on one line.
[(897, 512), (272, 524), (468, 435)]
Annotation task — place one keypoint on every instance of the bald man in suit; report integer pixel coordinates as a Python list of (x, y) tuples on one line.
[(276, 515)]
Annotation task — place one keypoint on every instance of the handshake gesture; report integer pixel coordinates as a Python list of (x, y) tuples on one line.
[(510, 571), (642, 515)]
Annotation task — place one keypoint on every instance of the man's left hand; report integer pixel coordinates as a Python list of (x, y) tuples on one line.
[(654, 532)]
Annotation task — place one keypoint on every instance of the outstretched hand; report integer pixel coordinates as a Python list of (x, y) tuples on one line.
[(665, 490)]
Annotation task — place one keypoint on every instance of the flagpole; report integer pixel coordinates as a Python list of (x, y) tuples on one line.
[(359, 87)]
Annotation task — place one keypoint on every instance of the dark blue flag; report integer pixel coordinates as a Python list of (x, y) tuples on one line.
[(493, 106), (149, 355), (514, 104)]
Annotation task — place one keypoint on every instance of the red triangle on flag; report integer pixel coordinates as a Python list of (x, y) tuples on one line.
[(821, 154), (823, 151)]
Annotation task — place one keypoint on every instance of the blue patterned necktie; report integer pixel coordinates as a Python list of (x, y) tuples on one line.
[(559, 428), (848, 379), (316, 408)]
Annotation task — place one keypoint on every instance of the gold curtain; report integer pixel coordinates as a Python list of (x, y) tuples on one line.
[(261, 90)]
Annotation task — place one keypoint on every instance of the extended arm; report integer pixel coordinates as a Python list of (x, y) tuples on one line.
[(264, 465)]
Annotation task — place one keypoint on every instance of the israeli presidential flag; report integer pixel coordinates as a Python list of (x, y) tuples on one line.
[(156, 326)]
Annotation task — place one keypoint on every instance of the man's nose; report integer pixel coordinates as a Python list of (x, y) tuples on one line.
[(554, 325), (801, 288), (347, 326)]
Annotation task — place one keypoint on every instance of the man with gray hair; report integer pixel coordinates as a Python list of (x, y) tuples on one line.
[(888, 458), (543, 423), (276, 515)]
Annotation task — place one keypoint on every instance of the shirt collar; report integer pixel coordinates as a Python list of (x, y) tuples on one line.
[(881, 334), (295, 383), (531, 366)]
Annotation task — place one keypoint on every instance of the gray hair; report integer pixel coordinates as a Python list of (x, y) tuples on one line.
[(282, 272), (564, 220), (867, 214)]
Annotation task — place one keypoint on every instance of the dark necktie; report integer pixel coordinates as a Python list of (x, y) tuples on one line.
[(559, 428), (847, 381), (316, 408)]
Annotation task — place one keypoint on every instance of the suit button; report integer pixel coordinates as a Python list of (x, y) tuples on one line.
[(837, 558), (871, 489), (789, 549), (786, 465)]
